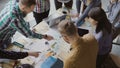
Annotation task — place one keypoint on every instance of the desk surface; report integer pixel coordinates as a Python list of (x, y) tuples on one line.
[(61, 48)]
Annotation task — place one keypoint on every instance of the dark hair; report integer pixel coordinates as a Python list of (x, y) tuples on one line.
[(28, 3), (99, 15), (67, 27)]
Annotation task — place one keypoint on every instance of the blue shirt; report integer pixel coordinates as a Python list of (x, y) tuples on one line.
[(114, 13)]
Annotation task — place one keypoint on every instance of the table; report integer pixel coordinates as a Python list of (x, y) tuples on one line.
[(61, 48)]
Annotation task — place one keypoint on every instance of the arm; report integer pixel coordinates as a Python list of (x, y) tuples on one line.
[(20, 25), (12, 55), (85, 13), (108, 7), (117, 20), (78, 5), (81, 9)]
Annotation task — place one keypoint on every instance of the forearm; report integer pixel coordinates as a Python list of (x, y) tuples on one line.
[(22, 27), (85, 13), (78, 5), (12, 55), (81, 9)]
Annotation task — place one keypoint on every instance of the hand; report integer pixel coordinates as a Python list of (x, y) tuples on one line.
[(74, 15), (48, 37), (35, 54)]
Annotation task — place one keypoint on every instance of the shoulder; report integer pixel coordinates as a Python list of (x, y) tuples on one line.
[(15, 11), (88, 36), (89, 39)]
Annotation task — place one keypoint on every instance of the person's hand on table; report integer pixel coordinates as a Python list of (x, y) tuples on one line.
[(48, 37), (35, 54)]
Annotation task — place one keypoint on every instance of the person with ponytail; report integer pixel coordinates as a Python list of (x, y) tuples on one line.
[(102, 30)]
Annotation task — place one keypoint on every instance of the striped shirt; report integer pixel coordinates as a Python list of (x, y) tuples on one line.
[(11, 20), (42, 6)]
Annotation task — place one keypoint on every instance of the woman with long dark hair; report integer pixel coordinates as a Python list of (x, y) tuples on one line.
[(102, 32)]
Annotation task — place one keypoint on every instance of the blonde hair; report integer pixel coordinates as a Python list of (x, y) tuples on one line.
[(67, 27)]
